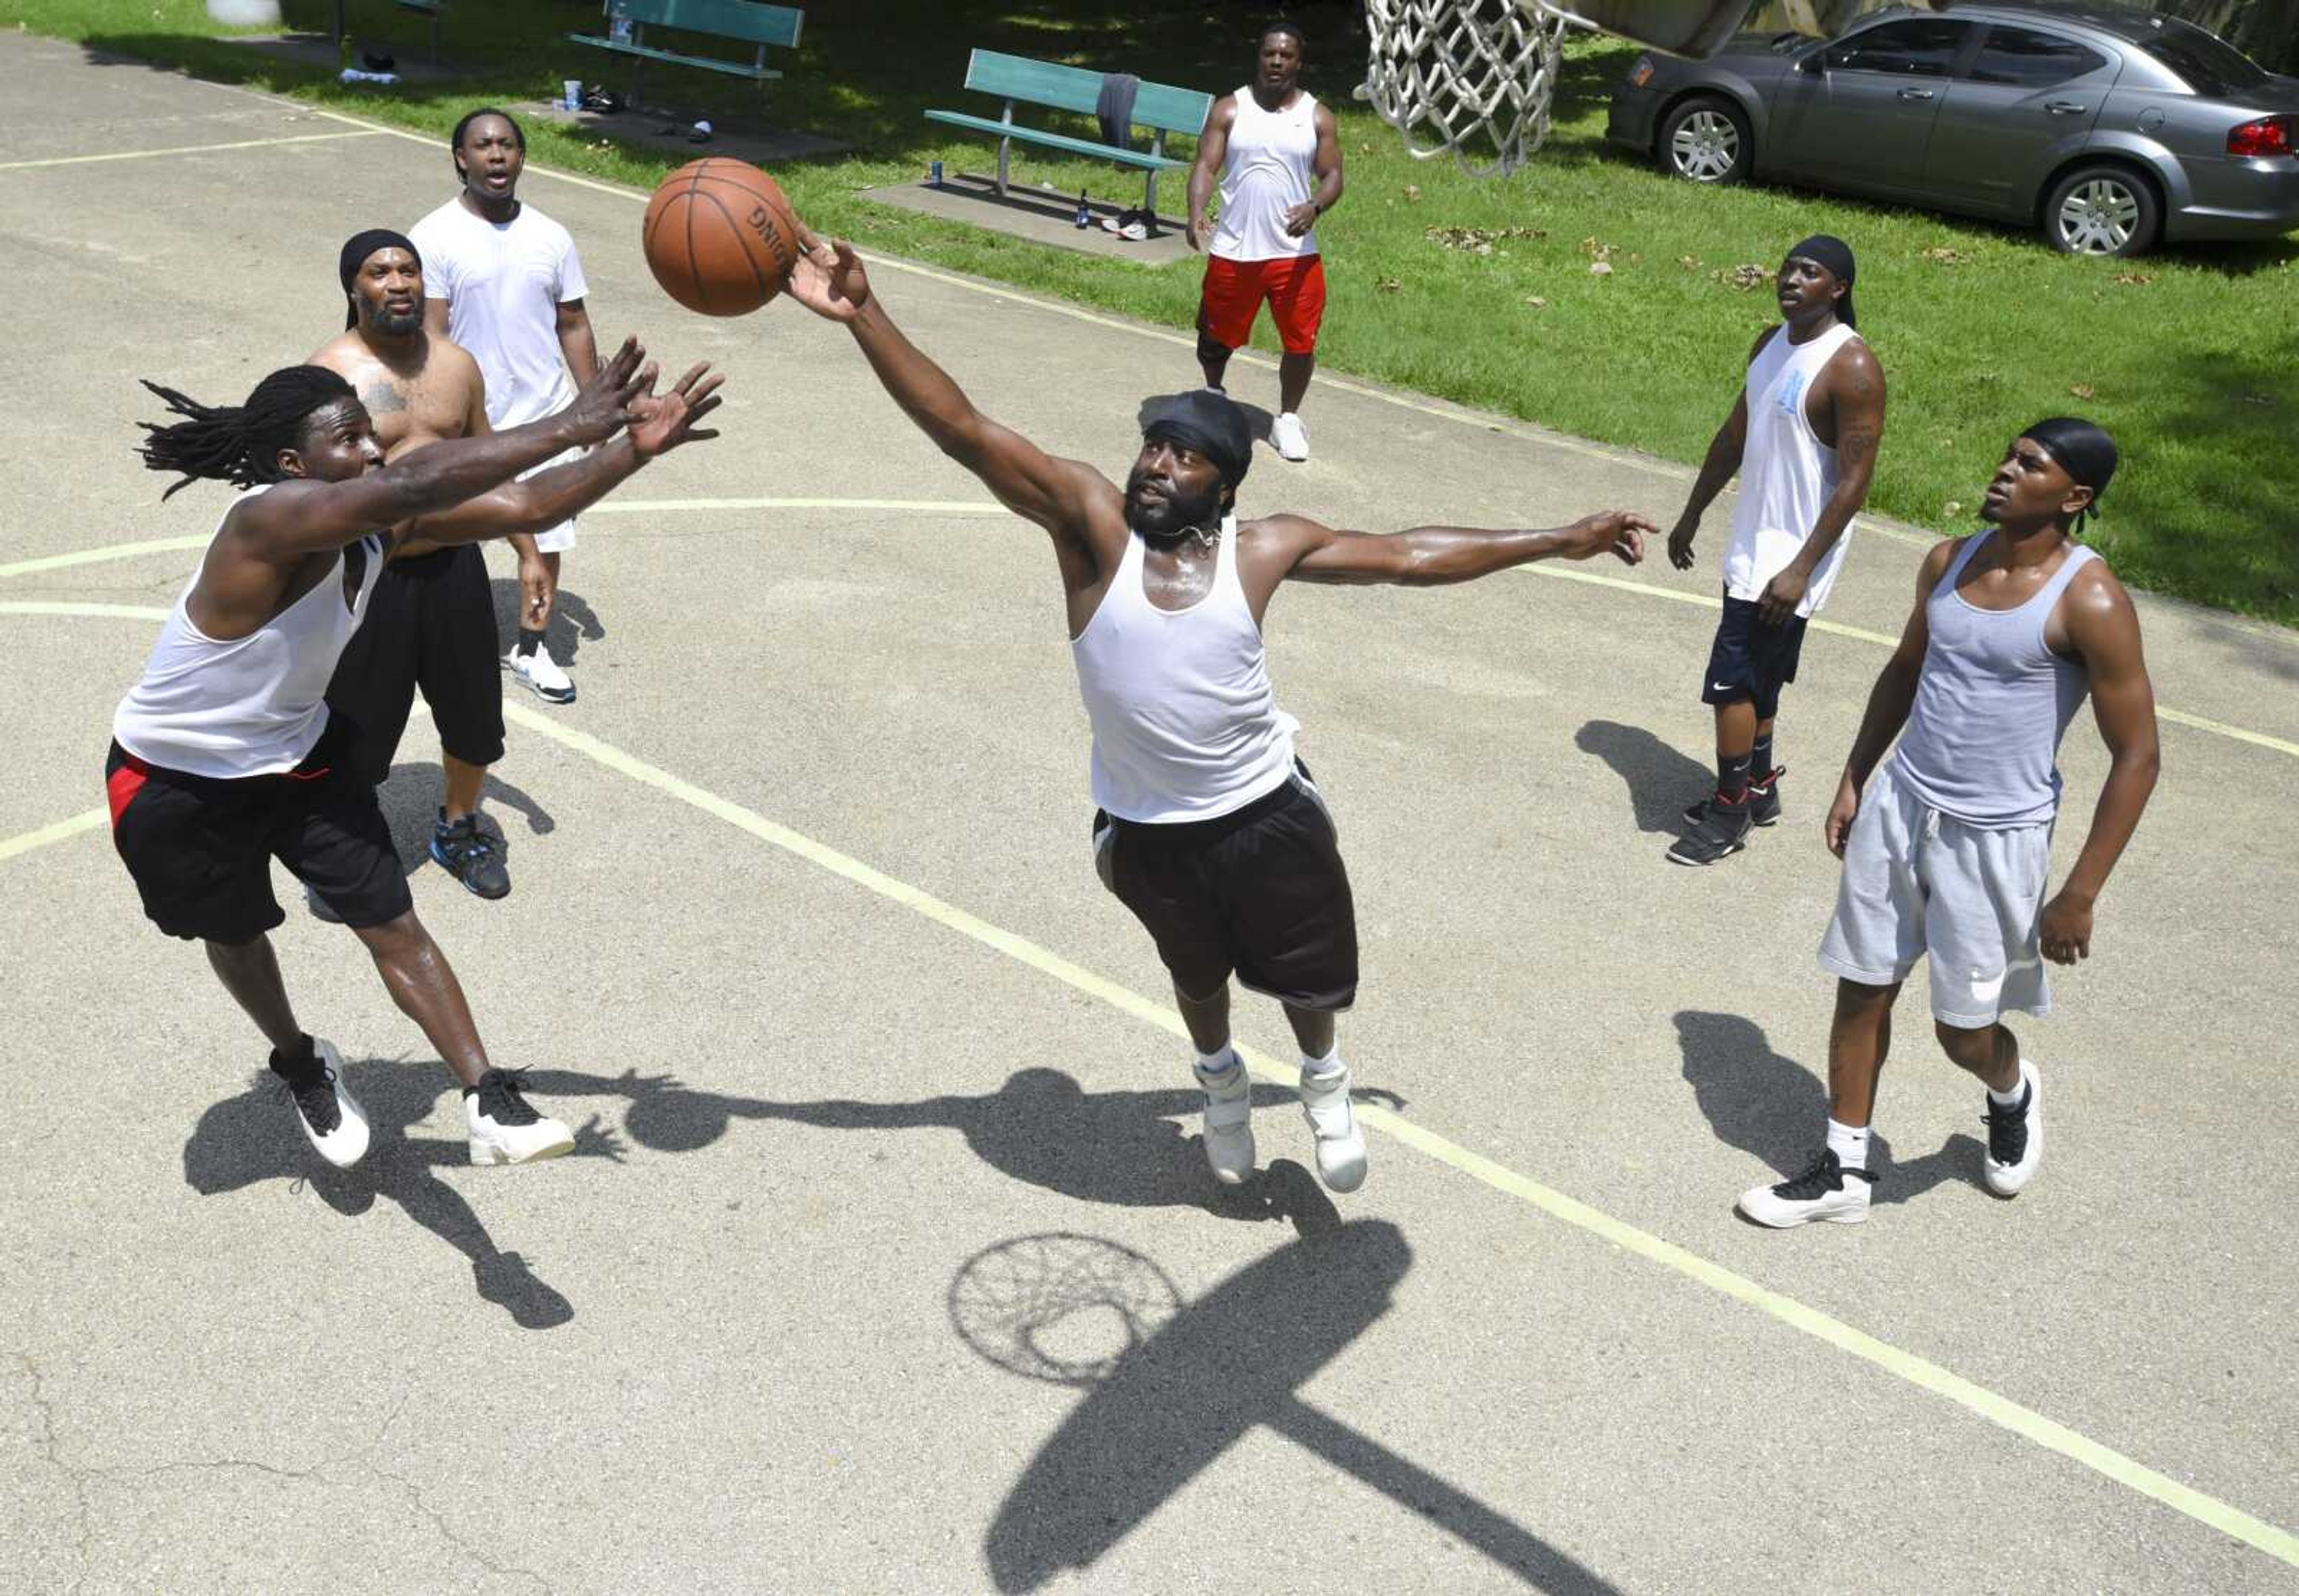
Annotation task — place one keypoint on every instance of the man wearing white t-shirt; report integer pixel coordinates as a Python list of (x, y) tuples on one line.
[(502, 280)]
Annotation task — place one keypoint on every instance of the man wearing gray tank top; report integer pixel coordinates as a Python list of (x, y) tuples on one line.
[(1947, 848), (1208, 829)]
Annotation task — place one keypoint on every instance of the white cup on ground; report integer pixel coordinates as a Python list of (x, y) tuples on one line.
[(571, 93)]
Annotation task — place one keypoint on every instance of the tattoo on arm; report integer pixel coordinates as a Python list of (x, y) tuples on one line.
[(1859, 446)]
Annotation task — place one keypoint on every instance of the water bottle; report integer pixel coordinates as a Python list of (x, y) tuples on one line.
[(933, 175), (1084, 211)]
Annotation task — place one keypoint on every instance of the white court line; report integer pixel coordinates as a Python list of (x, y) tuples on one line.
[(186, 149), (659, 506), (1921, 1372)]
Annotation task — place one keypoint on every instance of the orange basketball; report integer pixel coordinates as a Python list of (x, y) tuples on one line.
[(720, 238)]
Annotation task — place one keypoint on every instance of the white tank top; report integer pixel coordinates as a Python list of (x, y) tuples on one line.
[(1184, 724), (1271, 167), (1786, 472), (253, 705)]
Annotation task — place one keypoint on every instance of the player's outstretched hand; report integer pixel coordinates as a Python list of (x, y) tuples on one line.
[(603, 406), (828, 278), (1617, 532), (660, 422)]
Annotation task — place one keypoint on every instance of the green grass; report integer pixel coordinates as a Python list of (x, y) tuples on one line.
[(2188, 357)]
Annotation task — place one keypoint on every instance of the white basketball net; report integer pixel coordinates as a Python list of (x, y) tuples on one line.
[(1472, 77)]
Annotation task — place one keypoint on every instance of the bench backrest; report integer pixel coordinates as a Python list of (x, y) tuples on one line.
[(728, 19), (1075, 88)]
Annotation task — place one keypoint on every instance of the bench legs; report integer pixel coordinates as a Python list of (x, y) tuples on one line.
[(1004, 146)]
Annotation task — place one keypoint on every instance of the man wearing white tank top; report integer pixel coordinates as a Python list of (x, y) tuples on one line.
[(1277, 157), (1207, 827), (1947, 848), (226, 754), (1802, 437)]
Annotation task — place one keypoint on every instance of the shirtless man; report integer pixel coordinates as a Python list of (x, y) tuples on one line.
[(432, 621)]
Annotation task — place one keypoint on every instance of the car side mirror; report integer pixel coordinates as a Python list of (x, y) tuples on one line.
[(1816, 64)]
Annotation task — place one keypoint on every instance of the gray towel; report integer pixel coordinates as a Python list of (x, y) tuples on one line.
[(1114, 107)]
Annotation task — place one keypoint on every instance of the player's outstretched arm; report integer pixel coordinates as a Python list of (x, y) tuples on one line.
[(2104, 629), (1431, 556), (1056, 493), (1889, 703), (659, 424), (301, 515)]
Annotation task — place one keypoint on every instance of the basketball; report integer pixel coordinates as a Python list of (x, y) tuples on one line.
[(720, 238)]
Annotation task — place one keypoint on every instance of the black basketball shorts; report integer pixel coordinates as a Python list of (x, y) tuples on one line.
[(201, 848), (1750, 660), (430, 624), (1260, 893)]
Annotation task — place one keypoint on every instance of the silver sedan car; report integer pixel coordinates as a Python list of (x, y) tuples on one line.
[(2110, 128)]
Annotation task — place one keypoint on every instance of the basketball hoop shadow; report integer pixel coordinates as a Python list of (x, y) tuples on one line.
[(1170, 1386)]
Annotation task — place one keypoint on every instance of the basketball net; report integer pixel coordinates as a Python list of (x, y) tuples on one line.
[(1473, 79)]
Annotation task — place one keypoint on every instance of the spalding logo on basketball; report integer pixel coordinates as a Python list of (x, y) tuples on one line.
[(720, 238)]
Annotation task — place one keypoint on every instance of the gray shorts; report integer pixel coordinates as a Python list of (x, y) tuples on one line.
[(1917, 882)]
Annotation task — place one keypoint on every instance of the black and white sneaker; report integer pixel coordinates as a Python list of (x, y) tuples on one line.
[(2015, 1138), (1723, 831), (505, 1128), (332, 1117), (1763, 800), (1827, 1191), (465, 850)]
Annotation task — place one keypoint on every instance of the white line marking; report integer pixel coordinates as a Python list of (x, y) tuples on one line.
[(184, 149), (2024, 1422), (659, 506), (116, 551)]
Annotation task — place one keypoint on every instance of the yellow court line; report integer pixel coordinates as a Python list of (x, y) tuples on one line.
[(100, 611), (2024, 1422), (1921, 1372), (186, 149)]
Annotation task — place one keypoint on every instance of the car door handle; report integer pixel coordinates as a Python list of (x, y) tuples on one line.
[(2065, 107), (1916, 93)]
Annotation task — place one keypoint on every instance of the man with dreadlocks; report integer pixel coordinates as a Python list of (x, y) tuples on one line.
[(432, 621), (1208, 829), (225, 755), (1947, 848)]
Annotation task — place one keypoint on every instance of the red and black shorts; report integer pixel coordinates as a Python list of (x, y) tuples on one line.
[(1293, 285), (430, 623), (1260, 891), (200, 848)]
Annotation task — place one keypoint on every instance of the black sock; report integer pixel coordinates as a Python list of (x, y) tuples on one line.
[(1759, 758), (303, 1061), (1732, 778), (529, 640)]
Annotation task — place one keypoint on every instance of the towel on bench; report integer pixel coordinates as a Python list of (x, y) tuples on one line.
[(1113, 108)]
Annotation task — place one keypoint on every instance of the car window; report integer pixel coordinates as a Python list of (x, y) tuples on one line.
[(2208, 63), (2032, 60), (1917, 47)]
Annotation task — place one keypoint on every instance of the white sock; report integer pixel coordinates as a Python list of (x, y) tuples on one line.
[(2011, 1100), (1216, 1063), (1330, 1065), (1849, 1143)]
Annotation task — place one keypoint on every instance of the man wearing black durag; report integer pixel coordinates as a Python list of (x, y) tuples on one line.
[(1802, 437), (1945, 848), (1207, 827)]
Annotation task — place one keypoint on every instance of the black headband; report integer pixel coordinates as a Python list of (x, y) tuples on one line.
[(2084, 451), (356, 251), (1825, 249), (1209, 423)]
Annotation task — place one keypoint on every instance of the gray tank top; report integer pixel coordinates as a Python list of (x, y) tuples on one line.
[(1983, 739)]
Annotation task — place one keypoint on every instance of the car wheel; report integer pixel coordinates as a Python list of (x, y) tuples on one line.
[(2103, 211), (1706, 140)]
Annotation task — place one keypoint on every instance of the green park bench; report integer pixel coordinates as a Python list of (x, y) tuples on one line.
[(742, 21), (1015, 78)]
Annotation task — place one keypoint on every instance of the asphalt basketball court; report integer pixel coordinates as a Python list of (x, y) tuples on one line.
[(889, 1260)]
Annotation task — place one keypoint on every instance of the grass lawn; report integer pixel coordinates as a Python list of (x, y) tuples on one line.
[(2188, 357)]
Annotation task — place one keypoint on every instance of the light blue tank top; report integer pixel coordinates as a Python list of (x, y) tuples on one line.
[(1983, 739)]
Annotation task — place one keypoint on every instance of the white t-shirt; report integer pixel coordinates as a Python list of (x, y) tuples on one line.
[(1272, 166), (503, 283)]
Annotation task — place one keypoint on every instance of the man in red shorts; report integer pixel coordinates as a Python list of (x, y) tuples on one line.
[(1274, 151)]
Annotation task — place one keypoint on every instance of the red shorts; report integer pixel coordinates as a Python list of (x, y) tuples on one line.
[(1293, 285)]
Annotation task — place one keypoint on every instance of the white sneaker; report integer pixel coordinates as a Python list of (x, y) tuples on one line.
[(1290, 437), (541, 673), (1340, 1144), (332, 1117), (1229, 1120), (505, 1129), (2015, 1138), (1826, 1192)]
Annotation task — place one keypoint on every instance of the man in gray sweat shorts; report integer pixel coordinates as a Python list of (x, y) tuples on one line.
[(1946, 851)]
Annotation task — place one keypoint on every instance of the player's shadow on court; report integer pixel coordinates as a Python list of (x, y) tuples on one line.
[(254, 1137), (573, 621), (1042, 1128), (1768, 1105), (410, 806), (1188, 1382), (1660, 780), (1258, 421)]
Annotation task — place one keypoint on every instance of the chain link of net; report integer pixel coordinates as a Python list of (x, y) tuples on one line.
[(1473, 79)]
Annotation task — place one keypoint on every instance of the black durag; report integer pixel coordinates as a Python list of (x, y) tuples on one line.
[(1836, 255), (356, 251), (2085, 452), (1212, 425)]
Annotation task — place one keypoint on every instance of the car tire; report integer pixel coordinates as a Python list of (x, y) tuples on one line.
[(1706, 139), (2103, 210)]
